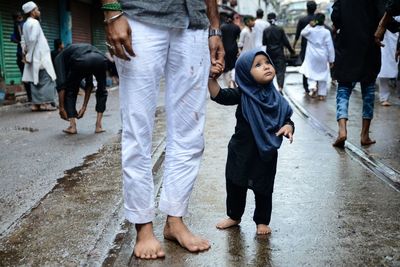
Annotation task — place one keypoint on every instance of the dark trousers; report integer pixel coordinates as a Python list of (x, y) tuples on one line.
[(236, 202), (280, 68), (93, 65)]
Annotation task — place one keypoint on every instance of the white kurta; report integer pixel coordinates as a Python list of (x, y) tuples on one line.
[(389, 65), (319, 53), (246, 39), (37, 52), (258, 30)]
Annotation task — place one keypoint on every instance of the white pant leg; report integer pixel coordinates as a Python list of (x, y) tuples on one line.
[(187, 72), (384, 89), (322, 88), (312, 84), (139, 84)]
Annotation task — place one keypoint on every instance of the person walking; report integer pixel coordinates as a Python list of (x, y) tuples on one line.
[(38, 69), (259, 26), (230, 36), (319, 58), (175, 39), (246, 38), (275, 39), (16, 38), (74, 63), (263, 118), (389, 68), (302, 23), (358, 59)]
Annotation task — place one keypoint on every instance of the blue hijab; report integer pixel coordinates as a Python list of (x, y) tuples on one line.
[(263, 107)]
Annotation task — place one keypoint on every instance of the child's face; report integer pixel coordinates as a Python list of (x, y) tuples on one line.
[(262, 70)]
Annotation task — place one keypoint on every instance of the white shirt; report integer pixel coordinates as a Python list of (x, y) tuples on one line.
[(246, 39), (37, 52), (258, 30)]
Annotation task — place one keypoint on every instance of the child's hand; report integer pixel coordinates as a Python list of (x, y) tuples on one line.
[(287, 131), (216, 70)]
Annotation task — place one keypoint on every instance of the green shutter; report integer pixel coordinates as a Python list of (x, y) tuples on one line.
[(50, 25), (98, 33)]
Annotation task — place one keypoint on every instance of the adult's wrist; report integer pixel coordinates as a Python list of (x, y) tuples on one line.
[(214, 32)]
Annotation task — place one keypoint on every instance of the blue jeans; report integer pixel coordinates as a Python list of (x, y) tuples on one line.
[(342, 99)]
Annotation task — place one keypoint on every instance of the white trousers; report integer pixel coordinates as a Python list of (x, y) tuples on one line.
[(384, 89), (182, 56), (321, 85)]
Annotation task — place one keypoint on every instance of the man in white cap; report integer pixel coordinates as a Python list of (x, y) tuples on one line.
[(38, 70)]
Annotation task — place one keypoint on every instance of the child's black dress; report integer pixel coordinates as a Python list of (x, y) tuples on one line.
[(244, 167)]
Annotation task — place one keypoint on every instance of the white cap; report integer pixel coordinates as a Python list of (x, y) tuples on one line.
[(28, 7)]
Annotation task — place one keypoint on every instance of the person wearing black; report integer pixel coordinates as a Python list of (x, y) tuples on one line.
[(357, 59), (303, 22), (74, 63), (230, 34), (274, 37), (58, 47), (16, 38)]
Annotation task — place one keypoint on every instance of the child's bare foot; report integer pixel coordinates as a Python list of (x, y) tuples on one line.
[(70, 130), (263, 229), (226, 223), (147, 246), (176, 230)]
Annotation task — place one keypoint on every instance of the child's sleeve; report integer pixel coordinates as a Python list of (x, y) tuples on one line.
[(228, 96), (290, 122)]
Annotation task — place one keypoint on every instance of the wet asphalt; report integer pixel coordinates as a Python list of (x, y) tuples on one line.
[(331, 207)]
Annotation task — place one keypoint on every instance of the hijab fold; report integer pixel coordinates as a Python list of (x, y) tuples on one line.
[(263, 107)]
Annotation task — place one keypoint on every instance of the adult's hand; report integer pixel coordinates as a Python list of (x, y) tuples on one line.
[(81, 112), (217, 51), (378, 36), (63, 113), (118, 35)]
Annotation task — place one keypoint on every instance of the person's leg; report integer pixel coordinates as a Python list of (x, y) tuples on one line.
[(322, 89), (368, 95), (262, 212), (235, 205), (139, 84), (343, 93), (71, 95), (305, 85), (312, 86), (280, 66), (101, 93), (186, 92), (384, 91)]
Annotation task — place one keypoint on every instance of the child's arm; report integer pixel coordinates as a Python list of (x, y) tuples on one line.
[(213, 86)]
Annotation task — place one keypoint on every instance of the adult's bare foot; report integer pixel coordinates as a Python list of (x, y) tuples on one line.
[(70, 130), (226, 223), (99, 130), (147, 246), (176, 230), (340, 141), (263, 229), (366, 141)]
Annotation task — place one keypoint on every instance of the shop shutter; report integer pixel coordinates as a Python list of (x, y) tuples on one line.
[(81, 22), (50, 25), (99, 35)]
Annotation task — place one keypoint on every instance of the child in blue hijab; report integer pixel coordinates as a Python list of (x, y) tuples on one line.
[(263, 117)]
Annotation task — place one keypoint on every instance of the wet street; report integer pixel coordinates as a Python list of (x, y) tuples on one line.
[(331, 207)]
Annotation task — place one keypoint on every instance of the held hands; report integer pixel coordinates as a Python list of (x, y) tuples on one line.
[(216, 70), (217, 51), (286, 131)]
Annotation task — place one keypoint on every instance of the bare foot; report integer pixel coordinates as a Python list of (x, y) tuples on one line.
[(367, 141), (263, 229), (339, 142), (386, 103), (99, 130), (70, 130), (35, 107), (321, 98), (226, 223), (147, 246), (176, 230)]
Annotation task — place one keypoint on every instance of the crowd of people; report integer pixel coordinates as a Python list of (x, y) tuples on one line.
[(46, 73), (148, 42)]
